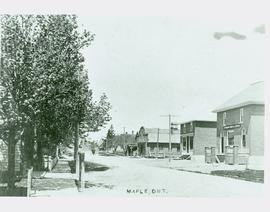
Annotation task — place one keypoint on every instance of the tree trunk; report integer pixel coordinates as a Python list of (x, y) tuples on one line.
[(39, 154), (11, 157), (76, 141), (76, 149), (28, 140)]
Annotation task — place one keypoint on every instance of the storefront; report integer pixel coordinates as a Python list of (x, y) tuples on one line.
[(196, 135), (187, 144), (156, 141), (240, 122)]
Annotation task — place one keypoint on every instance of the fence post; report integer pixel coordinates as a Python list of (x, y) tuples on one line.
[(45, 163), (29, 181), (49, 163), (82, 171)]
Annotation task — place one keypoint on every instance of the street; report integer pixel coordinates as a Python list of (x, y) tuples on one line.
[(139, 177)]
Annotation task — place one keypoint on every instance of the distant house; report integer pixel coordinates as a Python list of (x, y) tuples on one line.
[(124, 144), (131, 145), (154, 139), (240, 122), (196, 135)]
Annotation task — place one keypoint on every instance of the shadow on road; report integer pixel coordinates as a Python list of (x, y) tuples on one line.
[(89, 166)]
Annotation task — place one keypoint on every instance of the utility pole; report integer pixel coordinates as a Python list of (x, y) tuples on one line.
[(125, 141), (177, 124), (106, 145), (170, 142), (158, 139)]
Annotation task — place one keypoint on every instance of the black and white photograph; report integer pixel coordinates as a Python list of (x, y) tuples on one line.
[(132, 106)]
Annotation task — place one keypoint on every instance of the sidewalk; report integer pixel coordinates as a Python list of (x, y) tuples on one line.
[(205, 168), (218, 169), (58, 179)]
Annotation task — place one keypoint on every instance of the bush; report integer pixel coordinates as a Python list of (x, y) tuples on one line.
[(4, 176), (16, 192)]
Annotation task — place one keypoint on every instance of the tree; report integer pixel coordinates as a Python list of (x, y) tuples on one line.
[(109, 138), (16, 72), (64, 93), (97, 116), (45, 91)]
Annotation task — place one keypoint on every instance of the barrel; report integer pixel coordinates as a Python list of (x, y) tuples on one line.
[(229, 155), (207, 155)]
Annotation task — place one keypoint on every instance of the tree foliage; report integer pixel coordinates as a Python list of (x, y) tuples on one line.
[(44, 85), (109, 137)]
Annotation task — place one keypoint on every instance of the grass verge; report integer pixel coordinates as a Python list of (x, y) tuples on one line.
[(248, 175)]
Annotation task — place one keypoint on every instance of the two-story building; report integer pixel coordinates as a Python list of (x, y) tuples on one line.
[(195, 136), (240, 122)]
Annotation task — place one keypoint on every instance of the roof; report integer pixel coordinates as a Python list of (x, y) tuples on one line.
[(254, 94), (161, 135), (210, 121), (125, 139)]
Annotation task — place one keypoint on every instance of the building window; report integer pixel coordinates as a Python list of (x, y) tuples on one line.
[(243, 139), (224, 118), (222, 145), (188, 147), (231, 141), (241, 115), (191, 126), (230, 138), (184, 144), (184, 128), (191, 143)]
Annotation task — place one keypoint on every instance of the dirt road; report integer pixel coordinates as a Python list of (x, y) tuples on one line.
[(134, 177)]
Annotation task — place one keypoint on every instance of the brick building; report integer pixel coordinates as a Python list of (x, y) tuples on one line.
[(240, 122), (195, 136), (154, 139)]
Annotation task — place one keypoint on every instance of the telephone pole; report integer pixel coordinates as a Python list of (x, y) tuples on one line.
[(125, 141), (170, 142)]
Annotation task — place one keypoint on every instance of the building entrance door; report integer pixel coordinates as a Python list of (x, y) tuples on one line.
[(230, 138), (187, 145)]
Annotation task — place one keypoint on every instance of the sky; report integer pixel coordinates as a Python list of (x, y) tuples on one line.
[(153, 66)]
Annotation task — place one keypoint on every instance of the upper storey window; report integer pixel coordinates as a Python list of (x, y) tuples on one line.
[(224, 118), (241, 115)]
